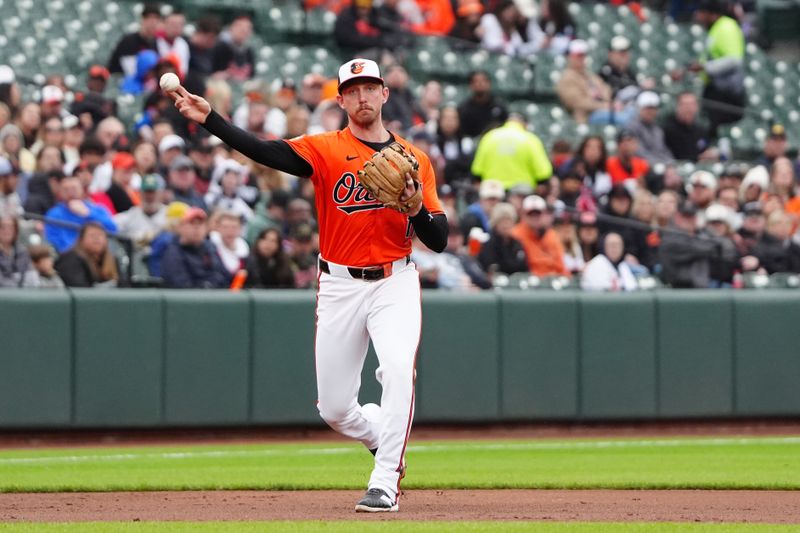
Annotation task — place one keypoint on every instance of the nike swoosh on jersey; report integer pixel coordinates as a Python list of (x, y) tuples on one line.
[(351, 157)]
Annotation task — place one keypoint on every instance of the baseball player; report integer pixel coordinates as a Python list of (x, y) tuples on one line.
[(374, 190)]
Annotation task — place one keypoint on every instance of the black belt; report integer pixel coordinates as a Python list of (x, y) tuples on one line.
[(373, 273)]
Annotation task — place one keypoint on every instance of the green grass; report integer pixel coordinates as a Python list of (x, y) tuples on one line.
[(393, 526), (721, 463)]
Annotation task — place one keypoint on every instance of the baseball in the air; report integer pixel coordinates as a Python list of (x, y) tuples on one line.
[(169, 82)]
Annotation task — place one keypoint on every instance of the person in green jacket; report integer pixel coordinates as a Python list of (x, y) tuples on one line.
[(512, 155), (722, 65)]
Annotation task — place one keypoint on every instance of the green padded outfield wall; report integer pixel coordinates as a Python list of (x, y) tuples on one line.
[(35, 358), (142, 358)]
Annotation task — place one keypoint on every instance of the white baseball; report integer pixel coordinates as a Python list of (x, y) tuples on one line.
[(169, 82)]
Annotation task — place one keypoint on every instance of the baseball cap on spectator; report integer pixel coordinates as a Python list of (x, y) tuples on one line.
[(194, 213), (620, 43), (752, 209), (169, 142), (181, 162), (52, 94), (534, 203), (777, 131), (625, 133), (647, 99), (491, 189), (578, 47), (719, 213), (6, 168), (176, 210), (123, 160), (99, 71), (687, 209), (702, 178), (6, 75), (152, 182), (357, 69), (71, 121)]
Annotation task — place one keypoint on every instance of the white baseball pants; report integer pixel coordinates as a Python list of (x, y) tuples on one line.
[(349, 313)]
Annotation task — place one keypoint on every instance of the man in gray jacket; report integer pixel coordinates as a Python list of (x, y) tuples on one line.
[(650, 135), (685, 257)]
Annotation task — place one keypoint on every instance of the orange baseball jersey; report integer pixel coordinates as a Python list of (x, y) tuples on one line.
[(355, 229)]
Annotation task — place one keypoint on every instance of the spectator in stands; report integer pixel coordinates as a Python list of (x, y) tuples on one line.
[(542, 246), (174, 213), (311, 91), (437, 17), (729, 197), (512, 155), (52, 101), (441, 271), (121, 192), (552, 31), (589, 162), (584, 94), (201, 53), (226, 184), (626, 165), (565, 227), (477, 214), (89, 263), (45, 267), (143, 78), (201, 154), (481, 110), (268, 266), (775, 146), (588, 235), (401, 111), (181, 183), (356, 28), (12, 147), (226, 237), (16, 268), (73, 208), (144, 222), (752, 230), (123, 58), (10, 95), (719, 220), (666, 207), (776, 251), (620, 220), (298, 119), (617, 71), (500, 29), (73, 138), (686, 259), (29, 120), (456, 149), (754, 184), (702, 188), (170, 41), (502, 252), (92, 106), (467, 30), (233, 58), (783, 183), (647, 131), (10, 203), (50, 134), (43, 192), (684, 136), (722, 65), (303, 249), (643, 207), (144, 153), (269, 213), (608, 270), (169, 148), (191, 261)]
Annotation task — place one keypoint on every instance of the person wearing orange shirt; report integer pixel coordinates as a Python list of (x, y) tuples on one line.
[(367, 282), (542, 246), (625, 165)]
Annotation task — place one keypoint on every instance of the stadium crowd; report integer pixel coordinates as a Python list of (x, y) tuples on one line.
[(75, 181)]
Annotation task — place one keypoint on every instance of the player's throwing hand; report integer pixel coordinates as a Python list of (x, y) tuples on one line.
[(190, 105)]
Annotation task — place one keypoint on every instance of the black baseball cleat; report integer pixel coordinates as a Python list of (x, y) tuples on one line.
[(377, 501)]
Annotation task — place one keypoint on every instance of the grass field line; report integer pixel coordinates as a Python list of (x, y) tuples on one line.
[(289, 451)]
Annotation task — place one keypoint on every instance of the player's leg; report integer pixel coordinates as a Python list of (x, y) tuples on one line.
[(341, 347), (394, 324)]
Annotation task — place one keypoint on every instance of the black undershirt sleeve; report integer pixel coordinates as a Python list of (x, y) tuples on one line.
[(275, 154), (431, 229)]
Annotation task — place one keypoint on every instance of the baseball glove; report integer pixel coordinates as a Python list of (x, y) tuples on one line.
[(384, 176)]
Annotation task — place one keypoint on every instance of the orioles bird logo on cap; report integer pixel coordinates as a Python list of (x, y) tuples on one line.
[(357, 67)]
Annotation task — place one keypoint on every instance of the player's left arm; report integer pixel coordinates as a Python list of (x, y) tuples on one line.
[(430, 224)]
